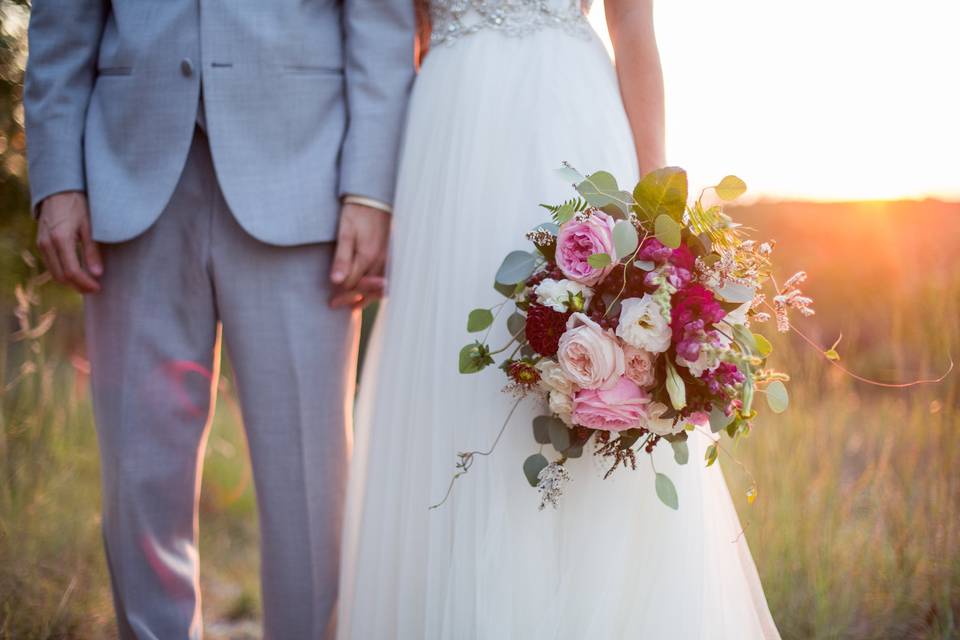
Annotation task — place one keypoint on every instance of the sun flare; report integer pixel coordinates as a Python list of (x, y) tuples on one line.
[(821, 100)]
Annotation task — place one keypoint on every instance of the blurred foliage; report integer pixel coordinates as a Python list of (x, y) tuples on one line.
[(16, 226)]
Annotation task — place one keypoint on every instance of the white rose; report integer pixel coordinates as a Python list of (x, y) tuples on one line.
[(590, 356), (562, 405), (552, 377), (643, 326), (556, 293), (658, 425)]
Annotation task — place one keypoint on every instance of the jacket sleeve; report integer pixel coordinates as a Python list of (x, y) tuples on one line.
[(379, 69), (64, 39)]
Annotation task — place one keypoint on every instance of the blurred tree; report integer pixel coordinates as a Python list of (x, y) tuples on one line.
[(16, 227)]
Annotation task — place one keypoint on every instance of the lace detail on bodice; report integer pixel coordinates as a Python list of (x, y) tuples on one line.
[(452, 19)]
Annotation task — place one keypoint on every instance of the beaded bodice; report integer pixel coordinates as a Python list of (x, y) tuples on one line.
[(453, 19)]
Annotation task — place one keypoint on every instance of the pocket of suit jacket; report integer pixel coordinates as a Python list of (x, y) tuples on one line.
[(315, 70)]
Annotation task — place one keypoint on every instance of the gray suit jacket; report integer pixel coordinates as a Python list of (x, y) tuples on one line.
[(304, 100)]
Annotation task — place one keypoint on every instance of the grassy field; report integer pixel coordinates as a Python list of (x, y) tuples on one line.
[(856, 530)]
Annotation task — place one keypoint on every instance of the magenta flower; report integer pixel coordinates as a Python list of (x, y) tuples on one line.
[(723, 378), (694, 310)]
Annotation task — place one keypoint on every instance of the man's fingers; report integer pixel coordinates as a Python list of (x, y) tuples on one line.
[(91, 252), (50, 258), (343, 256), (72, 270), (348, 299), (379, 266), (372, 285), (359, 268), (368, 289)]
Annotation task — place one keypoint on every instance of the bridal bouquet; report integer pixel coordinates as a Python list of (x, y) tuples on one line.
[(633, 320)]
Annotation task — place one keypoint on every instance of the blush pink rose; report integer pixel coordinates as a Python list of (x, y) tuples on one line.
[(580, 239), (639, 365), (590, 356), (616, 409)]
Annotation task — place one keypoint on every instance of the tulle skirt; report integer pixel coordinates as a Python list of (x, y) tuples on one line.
[(491, 118)]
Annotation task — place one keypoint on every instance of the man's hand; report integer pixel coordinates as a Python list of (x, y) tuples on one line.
[(64, 227), (357, 271)]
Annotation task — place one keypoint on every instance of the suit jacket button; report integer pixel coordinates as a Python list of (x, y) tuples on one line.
[(186, 67)]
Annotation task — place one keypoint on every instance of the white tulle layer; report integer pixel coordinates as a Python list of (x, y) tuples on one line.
[(491, 118)]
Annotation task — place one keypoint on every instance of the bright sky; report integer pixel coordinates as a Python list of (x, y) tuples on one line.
[(823, 99)]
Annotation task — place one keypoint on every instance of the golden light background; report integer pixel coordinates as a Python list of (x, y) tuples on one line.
[(821, 99)]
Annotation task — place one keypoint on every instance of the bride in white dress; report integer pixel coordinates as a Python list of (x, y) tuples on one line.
[(508, 90)]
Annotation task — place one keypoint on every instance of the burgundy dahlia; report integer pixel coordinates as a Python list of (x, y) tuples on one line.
[(544, 328)]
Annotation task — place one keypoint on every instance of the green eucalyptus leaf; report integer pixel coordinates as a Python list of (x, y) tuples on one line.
[(600, 189), (661, 192), (732, 427), (516, 267), (711, 454), (681, 451), (559, 435), (666, 491), (731, 188), (625, 238), (508, 290), (532, 467), (617, 209), (667, 231), (479, 319), (541, 429), (734, 292), (516, 324), (764, 348), (574, 452), (570, 175), (777, 397), (675, 387), (645, 265), (719, 420), (599, 260)]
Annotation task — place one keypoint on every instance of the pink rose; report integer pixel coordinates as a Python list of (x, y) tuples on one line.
[(578, 240), (639, 365), (590, 356), (615, 409)]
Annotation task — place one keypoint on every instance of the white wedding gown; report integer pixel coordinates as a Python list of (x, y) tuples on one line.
[(494, 111)]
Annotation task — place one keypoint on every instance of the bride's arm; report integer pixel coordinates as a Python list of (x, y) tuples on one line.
[(641, 79)]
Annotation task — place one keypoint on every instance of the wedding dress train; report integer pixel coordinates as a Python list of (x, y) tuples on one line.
[(494, 112)]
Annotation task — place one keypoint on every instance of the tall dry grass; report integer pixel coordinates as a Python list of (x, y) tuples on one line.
[(53, 579), (856, 530)]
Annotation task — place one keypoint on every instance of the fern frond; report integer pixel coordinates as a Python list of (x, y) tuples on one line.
[(563, 212)]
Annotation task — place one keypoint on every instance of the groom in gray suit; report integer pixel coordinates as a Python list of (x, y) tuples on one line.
[(205, 163)]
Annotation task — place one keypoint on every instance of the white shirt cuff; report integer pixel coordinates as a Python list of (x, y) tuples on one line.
[(367, 202)]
